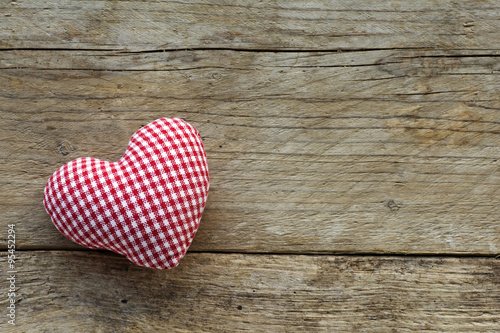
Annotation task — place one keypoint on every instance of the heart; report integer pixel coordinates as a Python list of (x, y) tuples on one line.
[(147, 206)]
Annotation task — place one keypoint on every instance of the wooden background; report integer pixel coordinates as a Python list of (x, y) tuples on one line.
[(353, 149)]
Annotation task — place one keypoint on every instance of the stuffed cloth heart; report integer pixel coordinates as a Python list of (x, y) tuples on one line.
[(147, 206)]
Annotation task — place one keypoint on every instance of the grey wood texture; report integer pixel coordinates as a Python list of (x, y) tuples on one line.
[(342, 136)]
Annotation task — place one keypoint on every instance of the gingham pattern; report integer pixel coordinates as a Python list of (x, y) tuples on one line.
[(147, 206)]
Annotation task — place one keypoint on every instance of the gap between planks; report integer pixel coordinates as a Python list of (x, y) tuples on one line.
[(286, 253)]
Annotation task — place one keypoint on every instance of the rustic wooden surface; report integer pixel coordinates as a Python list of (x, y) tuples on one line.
[(210, 292), (331, 127)]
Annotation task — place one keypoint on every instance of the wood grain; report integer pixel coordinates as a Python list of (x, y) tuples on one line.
[(245, 24), (331, 128), (101, 292), (390, 151)]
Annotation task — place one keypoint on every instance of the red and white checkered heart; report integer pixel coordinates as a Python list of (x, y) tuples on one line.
[(147, 206)]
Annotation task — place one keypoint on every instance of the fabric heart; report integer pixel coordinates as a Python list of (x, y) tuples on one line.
[(147, 206)]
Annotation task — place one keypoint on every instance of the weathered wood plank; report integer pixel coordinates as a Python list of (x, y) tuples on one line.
[(398, 153), (101, 292), (318, 25)]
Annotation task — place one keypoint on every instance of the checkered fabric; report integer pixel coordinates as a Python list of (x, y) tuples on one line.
[(147, 206)]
